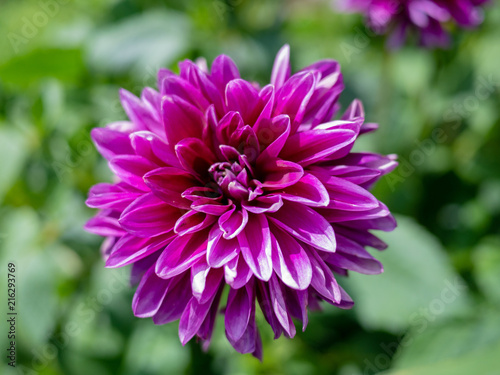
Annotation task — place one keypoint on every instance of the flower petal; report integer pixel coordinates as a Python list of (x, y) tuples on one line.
[(290, 261), (181, 120), (305, 224), (149, 294), (281, 67), (255, 245), (148, 216), (238, 311), (181, 254), (169, 183), (219, 250)]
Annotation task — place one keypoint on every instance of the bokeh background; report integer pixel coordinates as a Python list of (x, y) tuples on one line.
[(435, 310)]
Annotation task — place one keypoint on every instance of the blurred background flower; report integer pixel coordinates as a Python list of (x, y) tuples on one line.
[(61, 66), (427, 19)]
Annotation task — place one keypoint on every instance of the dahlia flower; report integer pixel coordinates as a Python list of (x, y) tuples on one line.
[(426, 17), (223, 185)]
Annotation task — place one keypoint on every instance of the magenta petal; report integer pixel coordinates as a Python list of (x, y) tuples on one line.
[(290, 261), (264, 298), (279, 305), (219, 250), (154, 148), (323, 280), (168, 184), (181, 120), (175, 85), (207, 327), (237, 273), (143, 117), (130, 249), (238, 311), (352, 256), (265, 203), (363, 237), (278, 174), (360, 217), (193, 221), (148, 216), (250, 341), (211, 207), (308, 191), (181, 254), (199, 79), (149, 295), (311, 146), (272, 135), (233, 222), (293, 97), (175, 301), (345, 195), (255, 245), (205, 281), (104, 225), (111, 143), (192, 318), (227, 126), (194, 156), (131, 169), (113, 196), (305, 224), (281, 67), (354, 174), (243, 98), (223, 70)]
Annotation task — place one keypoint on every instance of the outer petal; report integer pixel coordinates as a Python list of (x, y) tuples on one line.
[(149, 295), (290, 261), (238, 311), (181, 254), (255, 244), (148, 216), (281, 67), (305, 224)]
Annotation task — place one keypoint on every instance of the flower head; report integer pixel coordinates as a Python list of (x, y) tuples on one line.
[(426, 17), (225, 184)]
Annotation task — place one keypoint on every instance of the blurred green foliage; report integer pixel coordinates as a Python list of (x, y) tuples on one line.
[(436, 308)]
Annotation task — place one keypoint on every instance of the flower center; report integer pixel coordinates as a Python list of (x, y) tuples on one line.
[(233, 180)]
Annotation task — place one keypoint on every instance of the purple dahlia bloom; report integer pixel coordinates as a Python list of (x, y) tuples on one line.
[(427, 17), (222, 184)]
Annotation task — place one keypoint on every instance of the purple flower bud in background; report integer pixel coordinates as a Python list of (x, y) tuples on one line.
[(221, 184), (425, 17)]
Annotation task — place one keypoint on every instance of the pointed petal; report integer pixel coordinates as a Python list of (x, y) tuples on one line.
[(148, 216), (255, 245), (181, 254), (290, 261), (149, 294), (238, 311), (305, 224), (281, 67)]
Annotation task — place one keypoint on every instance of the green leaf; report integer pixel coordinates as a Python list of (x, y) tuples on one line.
[(486, 257), (144, 41), (456, 347), (24, 70), (418, 282), (155, 349), (13, 153)]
